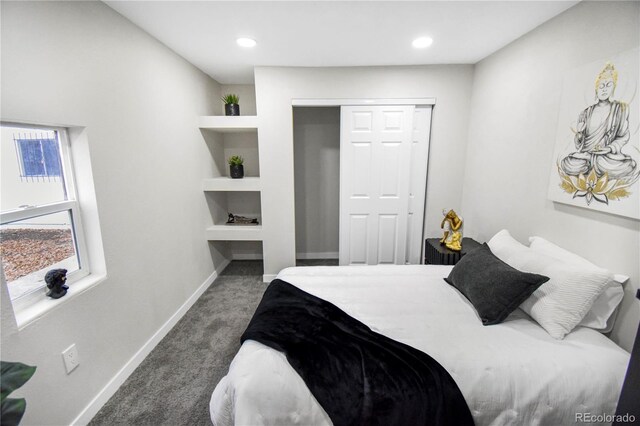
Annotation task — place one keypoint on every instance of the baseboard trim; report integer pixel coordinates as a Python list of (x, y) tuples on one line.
[(116, 381), (267, 278), (320, 255)]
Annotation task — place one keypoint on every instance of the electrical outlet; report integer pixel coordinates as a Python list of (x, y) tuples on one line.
[(70, 357)]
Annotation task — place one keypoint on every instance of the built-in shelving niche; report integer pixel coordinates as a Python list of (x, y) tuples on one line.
[(224, 145), (244, 203), (240, 242), (225, 137)]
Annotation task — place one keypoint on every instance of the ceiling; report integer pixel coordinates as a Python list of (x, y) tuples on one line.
[(333, 33)]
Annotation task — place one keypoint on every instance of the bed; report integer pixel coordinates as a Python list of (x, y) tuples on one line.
[(509, 373)]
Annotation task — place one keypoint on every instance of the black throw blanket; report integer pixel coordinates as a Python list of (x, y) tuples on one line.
[(358, 376)]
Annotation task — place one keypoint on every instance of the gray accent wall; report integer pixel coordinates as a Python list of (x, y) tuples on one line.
[(512, 130)]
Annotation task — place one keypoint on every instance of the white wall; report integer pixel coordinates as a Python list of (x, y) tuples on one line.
[(316, 135), (82, 64), (277, 86), (515, 104)]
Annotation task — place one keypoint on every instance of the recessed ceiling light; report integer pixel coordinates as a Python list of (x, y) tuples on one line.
[(422, 42), (246, 42)]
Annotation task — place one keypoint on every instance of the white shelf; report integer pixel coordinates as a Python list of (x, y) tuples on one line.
[(232, 124), (224, 183), (234, 233), (229, 124)]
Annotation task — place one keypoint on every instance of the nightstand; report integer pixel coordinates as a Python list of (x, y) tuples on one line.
[(437, 254)]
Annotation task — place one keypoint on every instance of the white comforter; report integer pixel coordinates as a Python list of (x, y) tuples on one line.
[(513, 373)]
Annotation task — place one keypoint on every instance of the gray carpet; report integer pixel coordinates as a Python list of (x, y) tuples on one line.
[(173, 385)]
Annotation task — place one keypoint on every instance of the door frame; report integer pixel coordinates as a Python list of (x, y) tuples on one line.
[(361, 101)]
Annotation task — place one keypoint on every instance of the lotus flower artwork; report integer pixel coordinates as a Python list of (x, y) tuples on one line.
[(594, 187)]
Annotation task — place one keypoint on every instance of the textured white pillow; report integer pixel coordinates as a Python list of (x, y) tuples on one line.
[(599, 316), (559, 304)]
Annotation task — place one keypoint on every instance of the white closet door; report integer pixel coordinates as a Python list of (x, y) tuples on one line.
[(375, 159), (418, 183)]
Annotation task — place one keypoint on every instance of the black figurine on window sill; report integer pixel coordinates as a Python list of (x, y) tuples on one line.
[(55, 280)]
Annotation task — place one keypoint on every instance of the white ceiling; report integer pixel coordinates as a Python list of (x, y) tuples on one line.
[(333, 33)]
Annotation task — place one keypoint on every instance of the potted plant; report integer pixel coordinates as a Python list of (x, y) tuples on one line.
[(231, 106), (236, 168), (13, 375)]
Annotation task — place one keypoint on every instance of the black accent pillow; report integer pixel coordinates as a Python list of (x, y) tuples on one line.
[(494, 288)]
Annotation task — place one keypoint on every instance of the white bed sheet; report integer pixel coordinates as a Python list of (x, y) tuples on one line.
[(512, 373)]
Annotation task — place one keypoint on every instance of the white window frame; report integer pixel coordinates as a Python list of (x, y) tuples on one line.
[(70, 205)]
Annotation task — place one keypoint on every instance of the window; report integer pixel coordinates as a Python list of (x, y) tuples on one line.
[(38, 157), (40, 222)]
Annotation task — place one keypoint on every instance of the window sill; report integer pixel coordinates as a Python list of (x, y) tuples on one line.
[(26, 315)]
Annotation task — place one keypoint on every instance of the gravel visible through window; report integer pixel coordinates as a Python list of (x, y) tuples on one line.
[(25, 251)]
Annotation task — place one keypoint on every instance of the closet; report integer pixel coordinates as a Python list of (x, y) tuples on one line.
[(316, 140), (383, 158)]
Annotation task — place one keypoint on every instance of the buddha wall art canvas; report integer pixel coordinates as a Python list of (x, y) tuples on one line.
[(596, 163)]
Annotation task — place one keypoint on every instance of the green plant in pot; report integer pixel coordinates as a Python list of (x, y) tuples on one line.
[(231, 106), (12, 376), (236, 168)]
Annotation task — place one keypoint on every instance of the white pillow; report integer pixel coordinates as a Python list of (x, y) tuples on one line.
[(562, 302), (600, 316), (505, 247)]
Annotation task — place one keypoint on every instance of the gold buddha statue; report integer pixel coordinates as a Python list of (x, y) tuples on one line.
[(452, 225)]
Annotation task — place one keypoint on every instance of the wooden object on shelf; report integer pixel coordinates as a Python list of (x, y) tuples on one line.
[(437, 254), (242, 220)]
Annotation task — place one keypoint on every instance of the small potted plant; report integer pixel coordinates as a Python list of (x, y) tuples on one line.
[(236, 168), (231, 106)]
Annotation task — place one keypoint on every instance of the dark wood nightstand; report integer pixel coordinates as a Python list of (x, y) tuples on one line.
[(437, 254)]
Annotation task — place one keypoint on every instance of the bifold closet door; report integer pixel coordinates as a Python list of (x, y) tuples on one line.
[(375, 169)]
